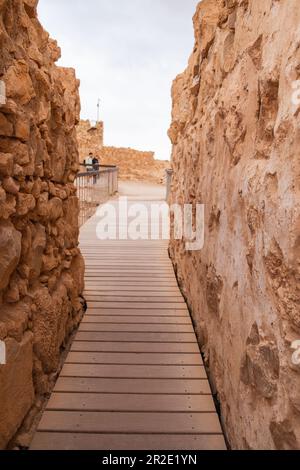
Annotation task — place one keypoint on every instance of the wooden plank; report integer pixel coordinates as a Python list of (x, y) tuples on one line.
[(133, 277), (118, 275), (142, 312), (138, 258), (136, 328), (146, 442), (136, 320), (133, 289), (131, 266), (140, 280), (133, 261), (119, 254), (92, 242), (167, 270), (133, 371), (137, 281), (94, 346), (138, 273), (161, 423), (114, 276), (102, 245), (153, 255), (116, 248), (143, 267), (137, 337), (117, 279), (100, 253), (138, 305), (89, 244), (129, 262), (134, 358), (131, 403), (135, 386), (91, 284), (133, 296), (135, 299)]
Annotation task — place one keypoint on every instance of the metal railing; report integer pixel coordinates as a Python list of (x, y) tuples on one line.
[(169, 174), (94, 187)]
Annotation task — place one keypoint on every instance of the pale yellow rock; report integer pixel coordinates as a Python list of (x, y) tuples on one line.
[(235, 133)]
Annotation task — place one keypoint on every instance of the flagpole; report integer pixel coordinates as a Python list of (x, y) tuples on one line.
[(98, 111)]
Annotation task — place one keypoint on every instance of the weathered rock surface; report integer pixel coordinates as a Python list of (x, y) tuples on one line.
[(134, 165), (16, 386), (10, 251), (236, 139), (41, 268)]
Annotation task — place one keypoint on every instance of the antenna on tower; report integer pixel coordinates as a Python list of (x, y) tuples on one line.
[(98, 110)]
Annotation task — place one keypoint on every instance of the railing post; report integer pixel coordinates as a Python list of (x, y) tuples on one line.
[(111, 175), (169, 174)]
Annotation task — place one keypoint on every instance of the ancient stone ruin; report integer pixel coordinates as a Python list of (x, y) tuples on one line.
[(90, 138), (236, 140), (134, 165), (41, 268)]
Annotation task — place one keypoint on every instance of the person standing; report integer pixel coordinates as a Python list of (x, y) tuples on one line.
[(89, 162), (96, 167), (96, 164)]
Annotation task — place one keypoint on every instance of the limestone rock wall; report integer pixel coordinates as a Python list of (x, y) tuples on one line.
[(41, 268), (134, 165), (236, 142)]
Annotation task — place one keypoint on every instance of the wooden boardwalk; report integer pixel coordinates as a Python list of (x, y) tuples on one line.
[(134, 378)]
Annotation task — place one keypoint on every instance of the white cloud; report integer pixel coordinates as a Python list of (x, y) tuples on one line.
[(125, 52)]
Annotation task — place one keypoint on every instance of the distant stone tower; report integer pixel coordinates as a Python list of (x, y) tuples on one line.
[(90, 138)]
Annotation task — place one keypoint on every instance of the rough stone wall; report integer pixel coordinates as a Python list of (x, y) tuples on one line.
[(236, 144), (41, 268), (134, 165)]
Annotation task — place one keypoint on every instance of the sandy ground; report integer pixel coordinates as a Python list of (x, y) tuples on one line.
[(142, 191)]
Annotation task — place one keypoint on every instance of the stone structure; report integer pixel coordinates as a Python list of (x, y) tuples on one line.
[(90, 138), (41, 268), (134, 165), (236, 141)]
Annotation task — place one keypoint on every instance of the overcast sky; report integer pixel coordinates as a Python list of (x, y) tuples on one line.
[(125, 52)]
